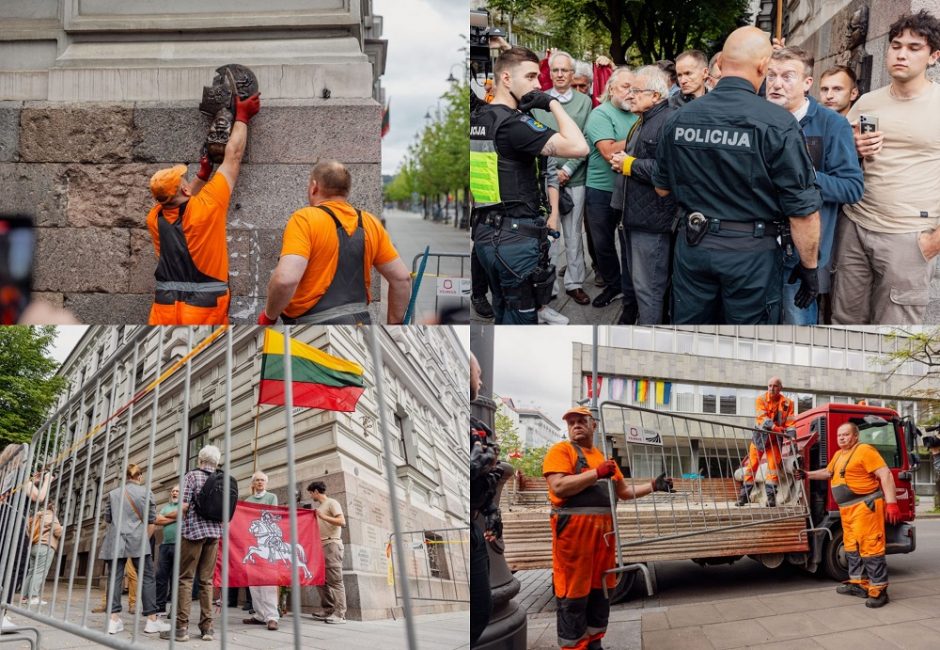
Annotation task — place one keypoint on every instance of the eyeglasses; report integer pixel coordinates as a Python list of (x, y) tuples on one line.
[(561, 70), (635, 91), (786, 77)]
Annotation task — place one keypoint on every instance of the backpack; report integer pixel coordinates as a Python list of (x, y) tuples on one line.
[(208, 503)]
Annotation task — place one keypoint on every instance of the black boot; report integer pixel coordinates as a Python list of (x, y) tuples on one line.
[(878, 601), (742, 496), (482, 307), (771, 496)]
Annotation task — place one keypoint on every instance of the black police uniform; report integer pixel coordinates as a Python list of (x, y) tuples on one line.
[(508, 232), (738, 168), (484, 480)]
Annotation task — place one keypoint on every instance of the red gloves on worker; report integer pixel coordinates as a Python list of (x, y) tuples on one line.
[(245, 109), (892, 513), (205, 167), (606, 469), (263, 319)]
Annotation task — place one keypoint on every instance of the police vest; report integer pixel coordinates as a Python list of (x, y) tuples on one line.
[(496, 181)]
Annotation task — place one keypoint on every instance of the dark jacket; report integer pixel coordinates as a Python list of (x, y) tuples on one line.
[(643, 209)]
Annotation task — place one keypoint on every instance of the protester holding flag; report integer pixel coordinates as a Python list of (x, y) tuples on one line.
[(332, 520), (198, 548), (263, 599)]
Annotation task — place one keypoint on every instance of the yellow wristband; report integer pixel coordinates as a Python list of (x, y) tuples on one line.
[(627, 165)]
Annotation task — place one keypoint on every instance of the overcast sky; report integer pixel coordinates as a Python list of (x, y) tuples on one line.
[(67, 337), (423, 42), (533, 365)]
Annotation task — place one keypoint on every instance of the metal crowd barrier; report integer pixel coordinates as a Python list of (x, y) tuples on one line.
[(448, 276), (436, 564), (657, 526), (86, 446)]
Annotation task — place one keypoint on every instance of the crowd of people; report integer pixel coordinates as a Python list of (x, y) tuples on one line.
[(713, 190), (129, 545)]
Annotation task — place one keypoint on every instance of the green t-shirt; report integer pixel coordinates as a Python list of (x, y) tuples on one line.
[(578, 109), (266, 499), (606, 122), (169, 531)]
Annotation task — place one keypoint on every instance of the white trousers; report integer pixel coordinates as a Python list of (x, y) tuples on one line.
[(264, 602)]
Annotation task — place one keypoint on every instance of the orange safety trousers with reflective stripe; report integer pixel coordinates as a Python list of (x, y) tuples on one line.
[(581, 553), (772, 453), (180, 313)]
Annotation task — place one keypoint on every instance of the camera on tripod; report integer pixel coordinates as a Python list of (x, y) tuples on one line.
[(480, 32)]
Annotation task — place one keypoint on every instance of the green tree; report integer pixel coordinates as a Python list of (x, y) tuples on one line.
[(28, 383), (511, 449)]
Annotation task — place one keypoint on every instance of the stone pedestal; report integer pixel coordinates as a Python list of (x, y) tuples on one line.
[(96, 95)]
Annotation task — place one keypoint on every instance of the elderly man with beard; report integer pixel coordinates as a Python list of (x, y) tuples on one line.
[(647, 217), (581, 521)]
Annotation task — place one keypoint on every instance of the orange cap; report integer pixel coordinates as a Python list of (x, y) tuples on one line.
[(166, 183), (577, 410)]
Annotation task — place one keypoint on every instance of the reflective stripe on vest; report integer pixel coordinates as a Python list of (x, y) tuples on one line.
[(484, 173)]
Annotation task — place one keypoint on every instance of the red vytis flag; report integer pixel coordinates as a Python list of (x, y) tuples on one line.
[(545, 74), (259, 549)]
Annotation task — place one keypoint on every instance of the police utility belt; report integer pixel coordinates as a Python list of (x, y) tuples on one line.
[(697, 225), (523, 226)]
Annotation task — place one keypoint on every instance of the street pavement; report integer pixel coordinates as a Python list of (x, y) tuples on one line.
[(411, 233), (448, 631), (746, 605)]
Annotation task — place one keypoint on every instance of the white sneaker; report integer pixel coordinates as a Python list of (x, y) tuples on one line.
[(155, 626), (37, 601), (335, 620), (115, 626), (548, 316)]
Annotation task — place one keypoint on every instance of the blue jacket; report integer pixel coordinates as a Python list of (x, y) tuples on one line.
[(831, 147)]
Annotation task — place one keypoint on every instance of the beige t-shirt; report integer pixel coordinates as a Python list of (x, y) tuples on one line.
[(902, 181), (329, 532)]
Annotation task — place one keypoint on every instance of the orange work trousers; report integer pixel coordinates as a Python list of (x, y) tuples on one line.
[(582, 550), (863, 535), (772, 453)]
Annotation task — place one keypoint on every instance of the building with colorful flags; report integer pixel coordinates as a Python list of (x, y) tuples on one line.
[(716, 373), (336, 427)]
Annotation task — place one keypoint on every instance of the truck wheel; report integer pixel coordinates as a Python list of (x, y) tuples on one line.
[(834, 561), (621, 591)]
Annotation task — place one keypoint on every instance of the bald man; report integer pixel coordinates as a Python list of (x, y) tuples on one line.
[(329, 250), (739, 170)]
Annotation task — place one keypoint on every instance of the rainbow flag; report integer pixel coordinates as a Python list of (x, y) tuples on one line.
[(318, 379)]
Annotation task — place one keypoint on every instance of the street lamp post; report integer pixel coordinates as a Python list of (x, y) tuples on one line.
[(507, 627)]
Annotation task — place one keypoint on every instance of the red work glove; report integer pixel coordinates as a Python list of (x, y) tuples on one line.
[(205, 167), (263, 319), (892, 513), (606, 469), (245, 109)]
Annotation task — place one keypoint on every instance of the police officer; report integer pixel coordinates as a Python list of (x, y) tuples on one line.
[(728, 262), (508, 149)]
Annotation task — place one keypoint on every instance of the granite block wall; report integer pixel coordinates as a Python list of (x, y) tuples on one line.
[(82, 171)]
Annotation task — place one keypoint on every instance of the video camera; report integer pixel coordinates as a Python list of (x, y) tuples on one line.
[(480, 32)]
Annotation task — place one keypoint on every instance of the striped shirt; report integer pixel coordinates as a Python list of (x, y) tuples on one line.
[(194, 526)]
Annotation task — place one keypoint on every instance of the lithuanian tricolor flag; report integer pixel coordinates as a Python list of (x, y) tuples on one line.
[(318, 379)]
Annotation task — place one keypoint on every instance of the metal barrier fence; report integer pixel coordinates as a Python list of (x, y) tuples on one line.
[(449, 276), (703, 455), (436, 564), (85, 446)]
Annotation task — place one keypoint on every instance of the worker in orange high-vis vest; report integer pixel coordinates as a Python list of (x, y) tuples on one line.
[(774, 416), (188, 230), (864, 488), (330, 248), (582, 529)]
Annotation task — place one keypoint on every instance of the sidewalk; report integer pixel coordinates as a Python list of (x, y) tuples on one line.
[(448, 631)]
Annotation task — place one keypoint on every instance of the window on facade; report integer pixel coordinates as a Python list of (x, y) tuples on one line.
[(840, 399), (782, 353), (727, 403), (709, 399), (837, 359), (854, 360), (765, 352), (437, 555), (801, 355), (642, 339), (406, 435), (804, 402), (746, 398), (820, 357), (726, 347), (745, 350), (200, 421), (663, 340), (683, 398), (706, 345), (684, 342)]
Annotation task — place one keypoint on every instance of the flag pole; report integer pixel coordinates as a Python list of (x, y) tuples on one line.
[(254, 467)]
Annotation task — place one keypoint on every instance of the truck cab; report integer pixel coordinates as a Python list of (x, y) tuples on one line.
[(816, 444)]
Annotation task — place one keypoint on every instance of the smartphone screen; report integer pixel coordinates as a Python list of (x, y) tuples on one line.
[(17, 244)]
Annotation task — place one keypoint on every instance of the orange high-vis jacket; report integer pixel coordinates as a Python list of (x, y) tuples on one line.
[(778, 410)]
